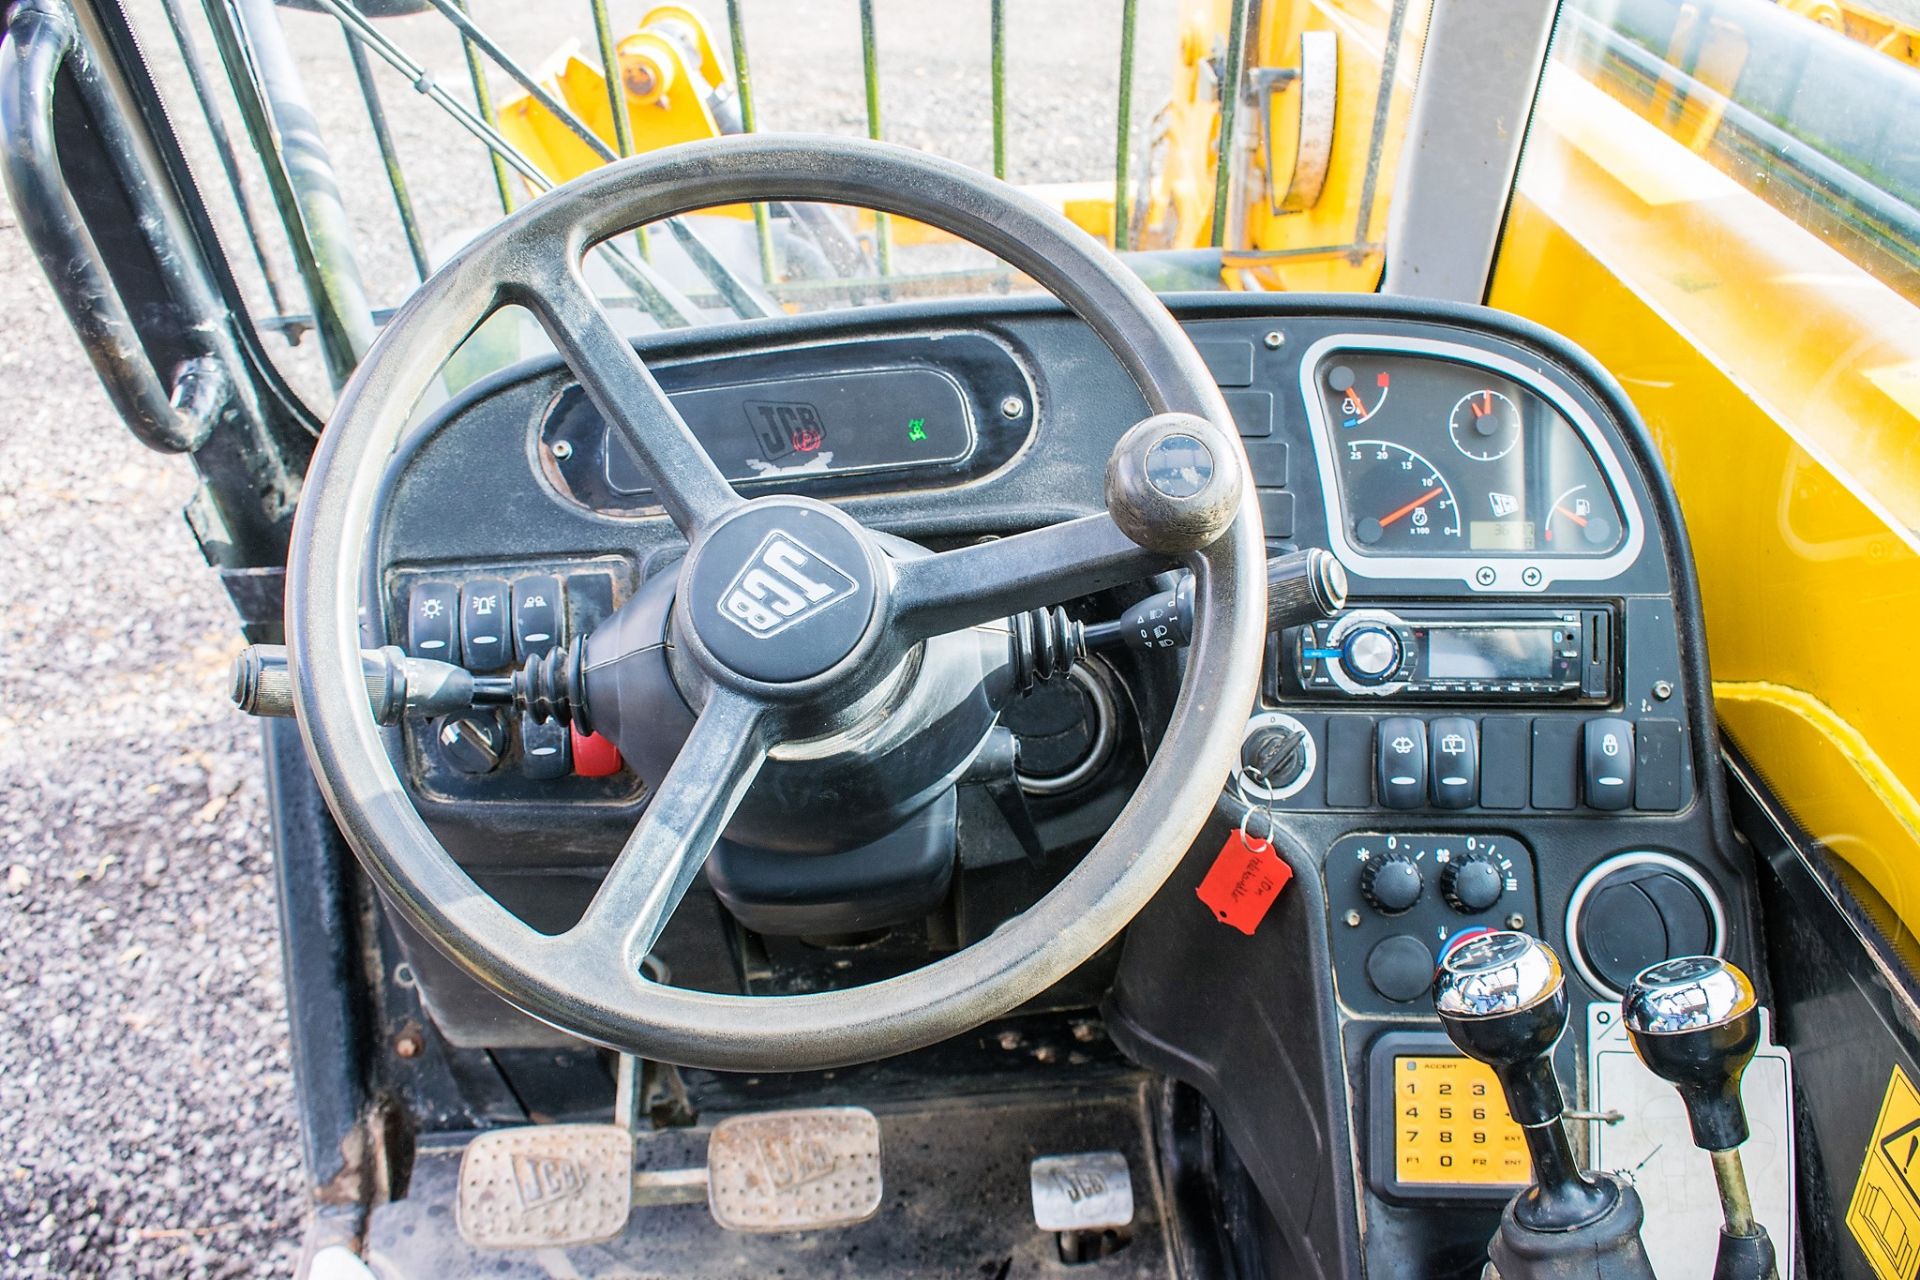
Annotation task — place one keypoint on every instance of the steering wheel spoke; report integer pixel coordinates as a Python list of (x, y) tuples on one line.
[(689, 809), (690, 486), (982, 583)]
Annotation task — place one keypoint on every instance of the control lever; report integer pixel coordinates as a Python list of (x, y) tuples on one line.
[(1503, 1000), (399, 687), (1695, 1023), (1302, 586)]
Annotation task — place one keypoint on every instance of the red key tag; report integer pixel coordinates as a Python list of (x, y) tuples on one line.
[(1244, 881)]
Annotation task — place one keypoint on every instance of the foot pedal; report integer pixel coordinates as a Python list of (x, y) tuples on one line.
[(1086, 1192), (545, 1186), (795, 1170)]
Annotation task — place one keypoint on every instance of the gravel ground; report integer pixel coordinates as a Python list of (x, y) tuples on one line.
[(146, 1110)]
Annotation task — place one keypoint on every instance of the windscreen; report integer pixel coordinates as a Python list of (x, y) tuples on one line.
[(348, 147)]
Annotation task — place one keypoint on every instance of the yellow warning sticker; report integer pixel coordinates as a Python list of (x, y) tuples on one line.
[(1884, 1215)]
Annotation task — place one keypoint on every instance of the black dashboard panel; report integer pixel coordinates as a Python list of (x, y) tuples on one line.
[(1552, 698), (855, 417)]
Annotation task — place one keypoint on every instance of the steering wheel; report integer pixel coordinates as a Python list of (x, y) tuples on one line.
[(1177, 491)]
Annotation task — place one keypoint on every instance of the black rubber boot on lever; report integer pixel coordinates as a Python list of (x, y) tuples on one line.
[(1695, 1023), (1503, 1000)]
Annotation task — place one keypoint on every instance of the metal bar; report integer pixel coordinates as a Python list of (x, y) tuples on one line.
[(455, 12), (616, 86), (223, 147), (617, 101), (999, 80), (743, 89), (389, 156), (40, 37), (735, 290), (1123, 146), (744, 301), (870, 71), (1462, 151), (483, 99), (1229, 100), (666, 303), (1382, 111), (240, 57)]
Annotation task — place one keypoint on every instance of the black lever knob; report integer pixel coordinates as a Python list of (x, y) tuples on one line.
[(1503, 999), (1695, 1022)]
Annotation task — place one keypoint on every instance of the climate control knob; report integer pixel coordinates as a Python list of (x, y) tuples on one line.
[(1473, 883), (1392, 883), (1370, 653)]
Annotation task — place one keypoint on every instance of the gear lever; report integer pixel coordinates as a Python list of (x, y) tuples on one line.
[(1503, 1000), (1695, 1023)]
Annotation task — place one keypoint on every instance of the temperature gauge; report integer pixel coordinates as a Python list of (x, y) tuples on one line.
[(1485, 425)]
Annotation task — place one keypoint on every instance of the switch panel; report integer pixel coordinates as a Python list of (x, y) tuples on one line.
[(1464, 880)]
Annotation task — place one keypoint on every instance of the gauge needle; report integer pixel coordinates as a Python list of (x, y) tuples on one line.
[(1484, 406), (1420, 501), (1577, 519)]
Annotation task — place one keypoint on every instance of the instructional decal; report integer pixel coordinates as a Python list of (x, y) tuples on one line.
[(1884, 1215)]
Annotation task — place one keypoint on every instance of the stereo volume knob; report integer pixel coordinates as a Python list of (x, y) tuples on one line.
[(1392, 884), (1370, 653)]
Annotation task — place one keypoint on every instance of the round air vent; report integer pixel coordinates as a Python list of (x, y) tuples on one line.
[(1637, 909)]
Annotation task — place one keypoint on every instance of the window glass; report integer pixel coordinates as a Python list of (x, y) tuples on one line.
[(1717, 199), (409, 126)]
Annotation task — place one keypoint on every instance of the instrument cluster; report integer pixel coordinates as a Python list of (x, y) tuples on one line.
[(1439, 460)]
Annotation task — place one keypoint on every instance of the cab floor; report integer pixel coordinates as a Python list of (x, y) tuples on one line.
[(956, 1203)]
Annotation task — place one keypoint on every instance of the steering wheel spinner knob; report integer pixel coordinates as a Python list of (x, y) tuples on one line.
[(1174, 482)]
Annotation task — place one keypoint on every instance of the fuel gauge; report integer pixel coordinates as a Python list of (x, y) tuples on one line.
[(1485, 425), (1576, 518)]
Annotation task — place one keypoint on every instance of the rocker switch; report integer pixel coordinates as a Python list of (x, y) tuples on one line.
[(1400, 760), (546, 749), (538, 608), (1454, 743), (483, 624), (433, 610), (1607, 763)]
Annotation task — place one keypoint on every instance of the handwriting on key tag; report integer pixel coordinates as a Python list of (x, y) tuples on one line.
[(1244, 880)]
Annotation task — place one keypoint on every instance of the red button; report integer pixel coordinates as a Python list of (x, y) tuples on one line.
[(593, 755)]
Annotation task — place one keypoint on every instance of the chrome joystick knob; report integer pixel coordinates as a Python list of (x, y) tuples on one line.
[(1503, 1000), (1695, 1022)]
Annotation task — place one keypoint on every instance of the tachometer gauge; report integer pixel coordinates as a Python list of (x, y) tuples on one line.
[(1484, 425), (1396, 499)]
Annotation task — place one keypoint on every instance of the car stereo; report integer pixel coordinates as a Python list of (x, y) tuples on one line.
[(1478, 653)]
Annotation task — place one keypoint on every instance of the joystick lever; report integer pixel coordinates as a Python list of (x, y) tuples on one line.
[(1503, 1000), (1695, 1023)]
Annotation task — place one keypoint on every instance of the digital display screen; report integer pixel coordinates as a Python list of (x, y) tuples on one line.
[(1500, 535), (868, 420), (1505, 653), (1450, 1125)]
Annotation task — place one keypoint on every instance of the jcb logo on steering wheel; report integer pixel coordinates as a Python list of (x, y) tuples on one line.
[(785, 582)]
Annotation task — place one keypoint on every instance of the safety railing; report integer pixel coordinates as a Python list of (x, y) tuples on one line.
[(299, 176)]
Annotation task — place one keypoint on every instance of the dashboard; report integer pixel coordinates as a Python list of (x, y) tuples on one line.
[(1509, 726)]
